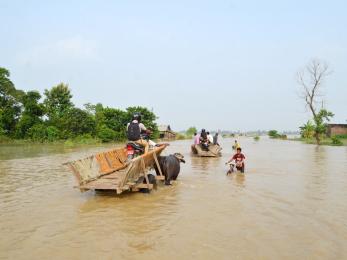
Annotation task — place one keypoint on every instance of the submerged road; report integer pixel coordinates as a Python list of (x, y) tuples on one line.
[(291, 204)]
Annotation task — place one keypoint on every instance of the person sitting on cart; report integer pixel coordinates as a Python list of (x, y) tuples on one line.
[(239, 160), (134, 130)]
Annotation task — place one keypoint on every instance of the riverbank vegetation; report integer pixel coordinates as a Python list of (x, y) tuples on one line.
[(308, 135), (31, 117), (188, 134), (275, 135), (333, 141), (311, 79)]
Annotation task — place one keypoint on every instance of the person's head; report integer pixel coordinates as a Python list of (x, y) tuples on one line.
[(195, 134), (235, 141), (137, 116), (238, 150), (208, 133), (203, 130), (216, 134)]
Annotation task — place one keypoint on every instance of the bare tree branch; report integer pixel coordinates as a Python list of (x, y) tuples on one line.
[(311, 79)]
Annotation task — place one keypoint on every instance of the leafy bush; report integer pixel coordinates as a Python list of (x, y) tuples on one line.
[(120, 136), (85, 139), (3, 137), (273, 134), (41, 133), (38, 132), (307, 130), (106, 134), (335, 140), (180, 136), (24, 124), (53, 133), (77, 122), (191, 130), (341, 136), (256, 138), (81, 139), (2, 131)]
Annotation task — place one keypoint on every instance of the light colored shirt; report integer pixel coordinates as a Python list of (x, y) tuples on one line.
[(210, 138), (197, 139)]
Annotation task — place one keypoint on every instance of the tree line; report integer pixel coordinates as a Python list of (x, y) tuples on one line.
[(53, 116)]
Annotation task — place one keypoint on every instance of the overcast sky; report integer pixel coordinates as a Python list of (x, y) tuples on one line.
[(212, 64)]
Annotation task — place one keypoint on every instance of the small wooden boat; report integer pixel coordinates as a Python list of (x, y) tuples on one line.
[(112, 171), (213, 150)]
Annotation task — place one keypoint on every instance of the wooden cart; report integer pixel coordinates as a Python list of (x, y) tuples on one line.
[(111, 170)]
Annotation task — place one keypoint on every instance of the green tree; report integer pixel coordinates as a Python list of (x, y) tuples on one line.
[(307, 130), (33, 111), (114, 119), (320, 120), (106, 134), (273, 134), (53, 133), (38, 132), (99, 115), (191, 130), (76, 122), (148, 119), (57, 102), (311, 79), (10, 107)]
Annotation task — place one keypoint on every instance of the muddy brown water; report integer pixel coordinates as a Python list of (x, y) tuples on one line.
[(291, 204)]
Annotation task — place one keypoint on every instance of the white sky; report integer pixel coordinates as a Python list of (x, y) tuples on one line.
[(212, 64)]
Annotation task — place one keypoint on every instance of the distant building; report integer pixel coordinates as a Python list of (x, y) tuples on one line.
[(336, 129), (165, 132)]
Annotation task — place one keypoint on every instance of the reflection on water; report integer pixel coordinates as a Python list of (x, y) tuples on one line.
[(239, 179), (290, 203)]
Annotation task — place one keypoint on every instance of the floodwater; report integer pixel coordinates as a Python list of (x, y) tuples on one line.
[(290, 204)]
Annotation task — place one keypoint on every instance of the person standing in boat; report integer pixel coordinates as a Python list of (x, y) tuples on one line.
[(215, 139), (209, 138), (134, 130)]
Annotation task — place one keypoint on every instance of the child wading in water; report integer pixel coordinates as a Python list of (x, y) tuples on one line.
[(239, 159)]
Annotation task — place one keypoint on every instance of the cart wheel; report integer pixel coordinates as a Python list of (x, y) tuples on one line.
[(152, 180)]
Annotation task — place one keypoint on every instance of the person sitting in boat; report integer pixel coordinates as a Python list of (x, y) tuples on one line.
[(196, 139), (204, 140), (209, 138), (239, 161), (134, 130), (215, 139)]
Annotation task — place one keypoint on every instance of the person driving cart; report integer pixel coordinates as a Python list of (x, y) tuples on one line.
[(134, 130)]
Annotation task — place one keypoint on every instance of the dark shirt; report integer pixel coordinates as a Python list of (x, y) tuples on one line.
[(215, 139)]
